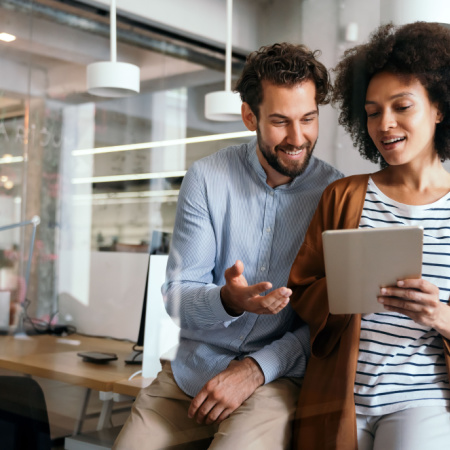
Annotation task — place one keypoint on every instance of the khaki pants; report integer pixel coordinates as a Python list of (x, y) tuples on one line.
[(159, 419)]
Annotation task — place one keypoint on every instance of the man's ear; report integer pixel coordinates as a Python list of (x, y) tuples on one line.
[(248, 117)]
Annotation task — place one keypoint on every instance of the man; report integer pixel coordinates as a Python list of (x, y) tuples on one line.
[(236, 377)]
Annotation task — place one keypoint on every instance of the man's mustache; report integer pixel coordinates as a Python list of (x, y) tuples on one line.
[(292, 148)]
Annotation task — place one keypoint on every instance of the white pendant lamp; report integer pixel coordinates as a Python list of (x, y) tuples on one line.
[(112, 78), (401, 12), (225, 106)]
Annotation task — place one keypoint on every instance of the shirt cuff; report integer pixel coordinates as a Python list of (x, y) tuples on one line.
[(215, 303), (269, 363)]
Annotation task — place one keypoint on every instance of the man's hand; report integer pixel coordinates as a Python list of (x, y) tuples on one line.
[(237, 296), (224, 393)]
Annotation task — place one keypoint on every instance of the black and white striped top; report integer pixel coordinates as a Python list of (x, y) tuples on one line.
[(401, 363)]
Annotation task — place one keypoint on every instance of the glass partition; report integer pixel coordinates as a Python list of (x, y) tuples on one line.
[(102, 174)]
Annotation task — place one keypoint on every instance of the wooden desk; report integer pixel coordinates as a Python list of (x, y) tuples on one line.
[(131, 387), (50, 357), (56, 358)]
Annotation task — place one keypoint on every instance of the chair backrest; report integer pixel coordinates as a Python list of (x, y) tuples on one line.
[(23, 415)]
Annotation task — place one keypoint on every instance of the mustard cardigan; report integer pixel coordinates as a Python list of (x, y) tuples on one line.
[(326, 417)]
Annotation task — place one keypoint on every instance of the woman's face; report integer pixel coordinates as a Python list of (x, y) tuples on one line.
[(401, 120)]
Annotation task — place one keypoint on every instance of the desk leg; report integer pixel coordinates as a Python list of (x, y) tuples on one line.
[(82, 413), (105, 415)]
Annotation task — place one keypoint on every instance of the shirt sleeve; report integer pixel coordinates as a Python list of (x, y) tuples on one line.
[(286, 356), (191, 298)]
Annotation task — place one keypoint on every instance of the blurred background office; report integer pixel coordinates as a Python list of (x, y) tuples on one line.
[(103, 174)]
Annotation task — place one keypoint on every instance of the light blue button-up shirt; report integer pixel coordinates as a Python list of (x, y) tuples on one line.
[(226, 211)]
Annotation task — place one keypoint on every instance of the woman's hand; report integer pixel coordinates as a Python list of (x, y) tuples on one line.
[(419, 300)]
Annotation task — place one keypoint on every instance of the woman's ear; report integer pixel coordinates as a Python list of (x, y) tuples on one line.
[(249, 119), (439, 114)]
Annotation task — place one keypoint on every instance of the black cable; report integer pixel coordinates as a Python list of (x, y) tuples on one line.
[(42, 327), (107, 337)]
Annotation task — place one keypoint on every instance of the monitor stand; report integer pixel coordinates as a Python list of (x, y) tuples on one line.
[(134, 357)]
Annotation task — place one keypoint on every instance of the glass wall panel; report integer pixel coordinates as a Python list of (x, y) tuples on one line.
[(102, 174)]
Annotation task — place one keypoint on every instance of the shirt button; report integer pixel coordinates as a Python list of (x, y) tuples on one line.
[(263, 269), (271, 193), (241, 338), (268, 229)]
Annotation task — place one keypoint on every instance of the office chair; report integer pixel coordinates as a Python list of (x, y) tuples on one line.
[(24, 421)]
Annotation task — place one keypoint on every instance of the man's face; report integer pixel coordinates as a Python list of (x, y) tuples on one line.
[(287, 130)]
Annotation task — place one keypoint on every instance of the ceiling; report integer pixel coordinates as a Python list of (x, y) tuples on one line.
[(49, 58)]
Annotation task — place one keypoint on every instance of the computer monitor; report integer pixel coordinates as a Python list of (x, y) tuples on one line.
[(140, 339), (159, 245), (161, 336)]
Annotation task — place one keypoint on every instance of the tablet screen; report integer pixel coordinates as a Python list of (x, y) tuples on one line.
[(360, 261)]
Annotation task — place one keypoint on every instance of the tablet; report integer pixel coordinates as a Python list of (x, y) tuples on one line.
[(360, 261)]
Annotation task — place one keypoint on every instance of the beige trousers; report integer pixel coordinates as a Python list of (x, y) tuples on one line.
[(159, 419)]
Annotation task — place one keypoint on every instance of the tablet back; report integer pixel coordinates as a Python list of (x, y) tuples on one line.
[(360, 261)]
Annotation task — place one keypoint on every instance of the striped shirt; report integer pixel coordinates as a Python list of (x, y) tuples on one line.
[(226, 211), (401, 363)]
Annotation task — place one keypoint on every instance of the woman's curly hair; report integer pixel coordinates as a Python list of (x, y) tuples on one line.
[(283, 65), (419, 51)]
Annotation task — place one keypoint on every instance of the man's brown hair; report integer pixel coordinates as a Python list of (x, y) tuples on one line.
[(283, 65)]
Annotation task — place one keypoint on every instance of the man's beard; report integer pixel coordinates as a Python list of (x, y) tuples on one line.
[(291, 171)]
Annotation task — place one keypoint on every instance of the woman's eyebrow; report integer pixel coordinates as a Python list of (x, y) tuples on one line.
[(400, 94)]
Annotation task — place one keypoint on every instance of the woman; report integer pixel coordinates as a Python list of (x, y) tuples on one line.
[(381, 381)]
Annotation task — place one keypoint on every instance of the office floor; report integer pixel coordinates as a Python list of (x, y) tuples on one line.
[(63, 405)]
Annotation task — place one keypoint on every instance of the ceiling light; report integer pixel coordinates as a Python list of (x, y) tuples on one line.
[(225, 105), (129, 194), (167, 143), (125, 201), (112, 78), (8, 159), (6, 37), (129, 177)]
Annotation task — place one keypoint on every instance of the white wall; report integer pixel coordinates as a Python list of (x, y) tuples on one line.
[(324, 23), (280, 21), (115, 292)]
